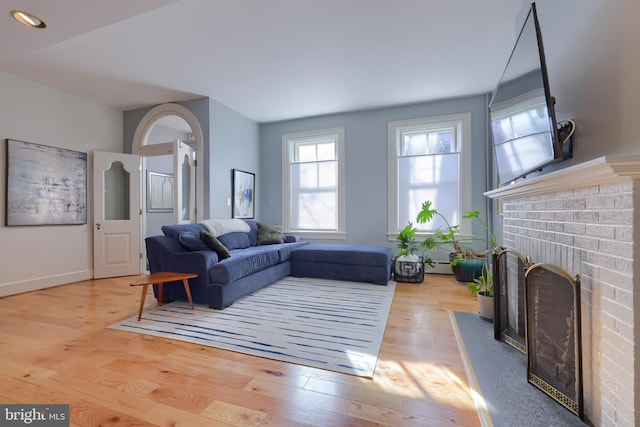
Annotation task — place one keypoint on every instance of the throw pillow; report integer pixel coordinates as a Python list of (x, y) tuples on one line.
[(291, 238), (235, 240), (214, 244), (269, 234), (192, 242)]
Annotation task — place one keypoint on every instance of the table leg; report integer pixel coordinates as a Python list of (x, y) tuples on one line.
[(185, 282), (144, 294), (160, 293)]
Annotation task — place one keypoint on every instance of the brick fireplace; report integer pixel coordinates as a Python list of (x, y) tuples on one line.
[(585, 219)]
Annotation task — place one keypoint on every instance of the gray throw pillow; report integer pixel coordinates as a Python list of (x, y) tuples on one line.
[(269, 234), (214, 244)]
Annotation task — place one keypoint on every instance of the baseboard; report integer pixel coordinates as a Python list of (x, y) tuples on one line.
[(13, 288), (439, 267)]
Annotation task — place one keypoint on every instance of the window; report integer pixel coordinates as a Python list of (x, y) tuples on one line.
[(313, 183), (428, 160)]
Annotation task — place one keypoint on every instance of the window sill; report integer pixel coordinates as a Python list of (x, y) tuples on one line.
[(328, 235)]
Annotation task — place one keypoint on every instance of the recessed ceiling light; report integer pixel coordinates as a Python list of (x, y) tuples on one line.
[(28, 19)]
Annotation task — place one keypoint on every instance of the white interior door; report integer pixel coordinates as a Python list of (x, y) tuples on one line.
[(184, 183), (116, 211)]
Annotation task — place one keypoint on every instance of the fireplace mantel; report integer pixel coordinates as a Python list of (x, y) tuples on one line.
[(603, 170)]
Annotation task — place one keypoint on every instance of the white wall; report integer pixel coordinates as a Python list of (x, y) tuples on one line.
[(41, 256)]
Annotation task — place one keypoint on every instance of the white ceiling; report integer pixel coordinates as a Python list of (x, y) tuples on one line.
[(267, 59)]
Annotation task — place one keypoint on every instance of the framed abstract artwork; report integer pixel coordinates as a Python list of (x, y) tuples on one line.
[(243, 189), (45, 185)]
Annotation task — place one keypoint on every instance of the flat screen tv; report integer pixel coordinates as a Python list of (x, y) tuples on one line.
[(526, 136)]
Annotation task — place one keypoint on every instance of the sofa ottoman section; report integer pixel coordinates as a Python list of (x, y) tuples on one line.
[(356, 263)]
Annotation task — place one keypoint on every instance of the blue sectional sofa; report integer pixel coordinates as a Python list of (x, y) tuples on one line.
[(220, 282), (254, 261)]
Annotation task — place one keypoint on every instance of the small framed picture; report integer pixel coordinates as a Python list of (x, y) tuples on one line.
[(243, 188), (159, 192)]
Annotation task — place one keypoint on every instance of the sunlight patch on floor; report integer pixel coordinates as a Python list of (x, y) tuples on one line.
[(421, 380)]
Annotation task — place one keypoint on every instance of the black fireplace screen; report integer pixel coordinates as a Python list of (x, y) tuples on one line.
[(509, 316), (553, 334)]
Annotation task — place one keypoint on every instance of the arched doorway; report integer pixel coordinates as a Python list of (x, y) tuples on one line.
[(163, 132)]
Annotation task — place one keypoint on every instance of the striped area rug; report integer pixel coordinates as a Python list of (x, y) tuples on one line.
[(325, 324)]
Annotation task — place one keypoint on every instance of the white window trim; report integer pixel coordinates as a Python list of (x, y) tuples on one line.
[(287, 145), (463, 122), (524, 102)]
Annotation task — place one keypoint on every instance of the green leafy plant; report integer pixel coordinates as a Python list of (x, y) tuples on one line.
[(460, 246), (483, 284), (408, 244)]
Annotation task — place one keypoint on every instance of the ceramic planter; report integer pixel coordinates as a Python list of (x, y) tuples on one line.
[(467, 270), (485, 306)]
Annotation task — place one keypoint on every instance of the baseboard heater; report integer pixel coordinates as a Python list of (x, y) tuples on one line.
[(439, 267)]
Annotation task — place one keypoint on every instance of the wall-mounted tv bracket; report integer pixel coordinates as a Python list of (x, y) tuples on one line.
[(566, 129)]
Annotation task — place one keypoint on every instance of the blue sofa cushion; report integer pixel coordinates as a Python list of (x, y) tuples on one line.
[(253, 231), (212, 242), (192, 242), (285, 249), (243, 262), (175, 230), (235, 240), (344, 254), (291, 238)]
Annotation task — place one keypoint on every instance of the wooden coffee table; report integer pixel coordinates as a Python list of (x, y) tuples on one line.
[(160, 279)]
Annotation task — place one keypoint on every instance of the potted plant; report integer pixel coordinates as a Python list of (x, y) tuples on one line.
[(482, 286), (408, 265), (466, 262)]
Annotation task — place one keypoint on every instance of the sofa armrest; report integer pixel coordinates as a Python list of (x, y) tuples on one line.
[(165, 254)]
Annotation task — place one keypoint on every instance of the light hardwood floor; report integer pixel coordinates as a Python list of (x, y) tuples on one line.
[(55, 348)]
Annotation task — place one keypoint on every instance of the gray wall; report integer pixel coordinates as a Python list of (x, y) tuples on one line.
[(366, 162), (593, 66), (234, 144), (593, 62), (230, 141)]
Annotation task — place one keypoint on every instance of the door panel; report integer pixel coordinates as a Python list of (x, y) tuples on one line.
[(184, 188), (116, 211)]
